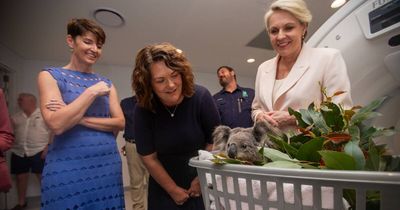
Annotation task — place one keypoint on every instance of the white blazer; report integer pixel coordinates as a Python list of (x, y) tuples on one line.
[(300, 88)]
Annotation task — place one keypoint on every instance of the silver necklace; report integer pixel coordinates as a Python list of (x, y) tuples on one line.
[(172, 114)]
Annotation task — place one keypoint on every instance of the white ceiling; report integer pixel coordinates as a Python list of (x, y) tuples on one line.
[(210, 32)]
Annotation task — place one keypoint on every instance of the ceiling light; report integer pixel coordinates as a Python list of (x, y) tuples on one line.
[(109, 17), (337, 3), (251, 60)]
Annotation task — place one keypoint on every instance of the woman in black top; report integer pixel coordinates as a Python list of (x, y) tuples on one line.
[(173, 120)]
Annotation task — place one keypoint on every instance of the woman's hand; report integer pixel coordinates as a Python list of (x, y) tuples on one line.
[(100, 89), (282, 118), (179, 195), (266, 117), (195, 190)]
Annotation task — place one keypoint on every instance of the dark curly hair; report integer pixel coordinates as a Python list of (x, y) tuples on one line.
[(141, 75)]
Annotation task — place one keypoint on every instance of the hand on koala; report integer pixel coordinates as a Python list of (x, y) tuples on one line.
[(100, 89)]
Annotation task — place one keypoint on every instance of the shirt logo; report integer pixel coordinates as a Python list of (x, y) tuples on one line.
[(244, 94)]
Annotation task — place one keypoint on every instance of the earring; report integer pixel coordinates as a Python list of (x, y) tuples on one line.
[(303, 36), (71, 49)]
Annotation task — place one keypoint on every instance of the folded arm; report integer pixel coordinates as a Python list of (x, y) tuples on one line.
[(66, 116), (115, 123)]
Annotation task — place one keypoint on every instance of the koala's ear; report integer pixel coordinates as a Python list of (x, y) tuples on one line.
[(260, 129), (220, 137)]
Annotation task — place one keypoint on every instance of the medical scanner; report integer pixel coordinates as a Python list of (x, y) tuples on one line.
[(367, 32)]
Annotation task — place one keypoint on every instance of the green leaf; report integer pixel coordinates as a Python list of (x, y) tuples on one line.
[(382, 164), (299, 139), (373, 199), (282, 164), (218, 159), (297, 115), (350, 196), (319, 122), (276, 155), (261, 151), (337, 160), (352, 149), (309, 150), (325, 108), (367, 112), (311, 107), (346, 139), (383, 132), (261, 154), (366, 134), (374, 161), (282, 145), (296, 145), (393, 163), (333, 116), (354, 132), (306, 116), (309, 165)]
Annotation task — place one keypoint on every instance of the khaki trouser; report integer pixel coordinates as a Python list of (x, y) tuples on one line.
[(138, 177)]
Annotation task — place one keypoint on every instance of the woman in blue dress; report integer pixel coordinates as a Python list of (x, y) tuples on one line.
[(174, 118), (83, 165)]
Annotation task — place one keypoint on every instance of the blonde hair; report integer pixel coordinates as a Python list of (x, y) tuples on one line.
[(297, 8)]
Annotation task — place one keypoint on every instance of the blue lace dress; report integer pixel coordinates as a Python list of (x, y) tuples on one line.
[(83, 165)]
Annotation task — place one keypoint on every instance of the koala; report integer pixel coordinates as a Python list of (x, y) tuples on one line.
[(242, 143)]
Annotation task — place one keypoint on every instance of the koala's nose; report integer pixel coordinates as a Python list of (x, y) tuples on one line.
[(232, 150)]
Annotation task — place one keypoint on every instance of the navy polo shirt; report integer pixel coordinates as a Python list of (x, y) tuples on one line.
[(235, 108), (128, 108)]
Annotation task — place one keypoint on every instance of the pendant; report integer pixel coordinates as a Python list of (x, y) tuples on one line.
[(172, 114)]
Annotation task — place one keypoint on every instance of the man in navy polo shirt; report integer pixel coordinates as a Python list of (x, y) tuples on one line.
[(233, 102), (137, 171)]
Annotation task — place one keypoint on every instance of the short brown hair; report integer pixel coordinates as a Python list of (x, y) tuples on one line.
[(78, 27), (141, 75)]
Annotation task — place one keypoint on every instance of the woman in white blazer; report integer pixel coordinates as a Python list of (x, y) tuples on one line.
[(292, 78)]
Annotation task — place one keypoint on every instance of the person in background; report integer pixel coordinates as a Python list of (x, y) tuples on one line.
[(137, 171), (6, 140), (30, 147), (174, 118), (233, 102), (83, 168), (293, 77)]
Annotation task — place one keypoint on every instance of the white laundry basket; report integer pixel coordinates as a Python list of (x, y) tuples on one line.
[(233, 186)]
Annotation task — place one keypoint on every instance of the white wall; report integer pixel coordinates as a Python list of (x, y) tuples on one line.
[(24, 79)]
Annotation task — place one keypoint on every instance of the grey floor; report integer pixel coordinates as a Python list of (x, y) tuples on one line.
[(34, 203)]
